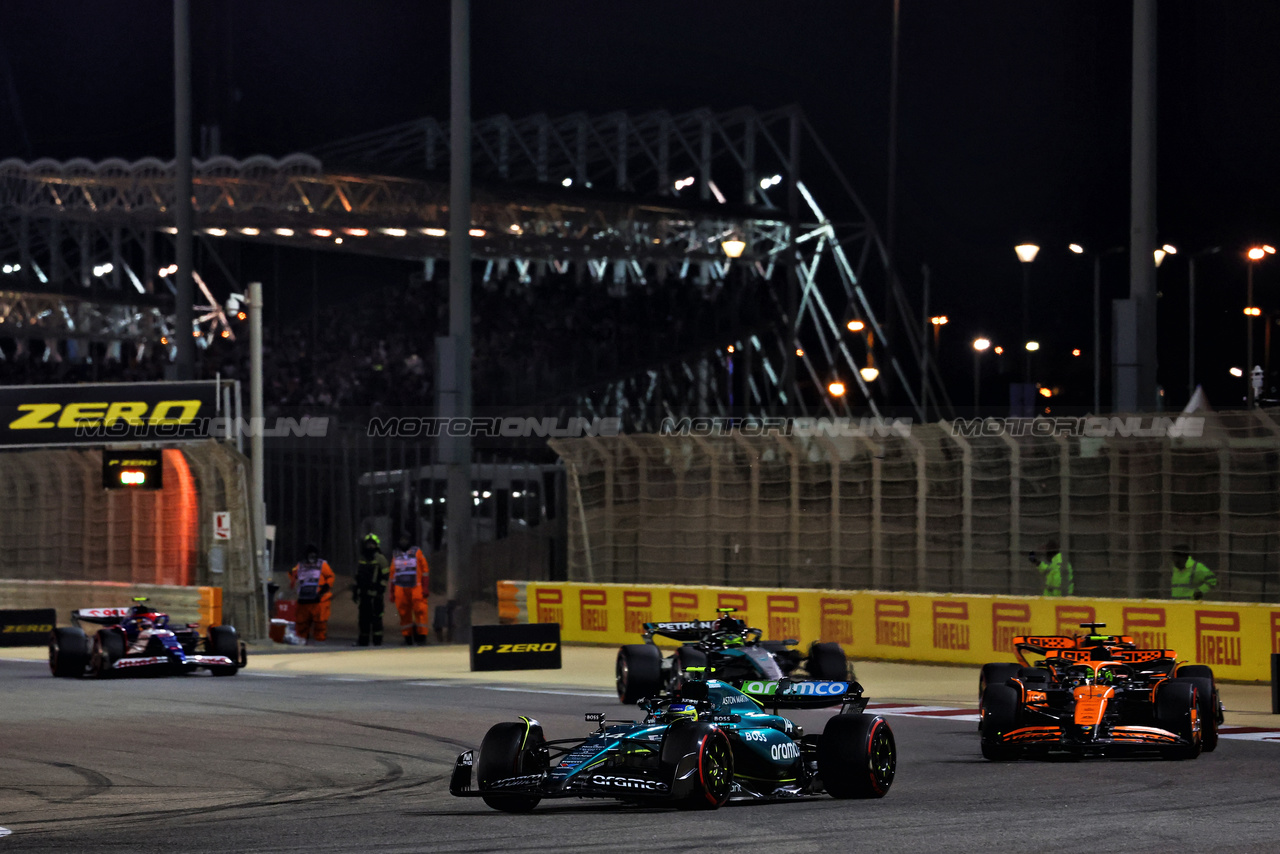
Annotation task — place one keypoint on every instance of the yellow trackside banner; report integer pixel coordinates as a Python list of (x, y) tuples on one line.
[(1235, 639)]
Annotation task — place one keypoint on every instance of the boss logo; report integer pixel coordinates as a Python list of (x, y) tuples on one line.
[(785, 751), (750, 735)]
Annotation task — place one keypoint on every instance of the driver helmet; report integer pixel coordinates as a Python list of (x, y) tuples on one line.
[(729, 623), (679, 711), (143, 623)]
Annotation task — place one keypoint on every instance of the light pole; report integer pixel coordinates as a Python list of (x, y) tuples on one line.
[(733, 246), (980, 346), (1026, 254), (1255, 254)]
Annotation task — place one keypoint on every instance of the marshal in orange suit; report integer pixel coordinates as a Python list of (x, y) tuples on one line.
[(312, 580), (408, 590)]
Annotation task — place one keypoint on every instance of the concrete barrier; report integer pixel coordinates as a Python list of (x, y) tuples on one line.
[(201, 605), (1237, 640)]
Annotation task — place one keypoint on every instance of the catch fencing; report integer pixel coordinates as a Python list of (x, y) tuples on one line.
[(949, 507), (60, 524)]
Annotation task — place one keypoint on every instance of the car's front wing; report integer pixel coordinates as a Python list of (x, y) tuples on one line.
[(1069, 739), (621, 783), (144, 662)]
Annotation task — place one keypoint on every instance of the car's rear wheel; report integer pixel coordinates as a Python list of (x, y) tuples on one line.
[(827, 661), (857, 756), (108, 648), (224, 640), (1177, 710), (698, 760), (510, 749), (684, 658), (1000, 713), (638, 672), (69, 652)]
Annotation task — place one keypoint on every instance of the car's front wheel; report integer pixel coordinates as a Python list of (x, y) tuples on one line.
[(684, 658), (1177, 710), (510, 749), (698, 760), (224, 640), (108, 648), (1000, 714)]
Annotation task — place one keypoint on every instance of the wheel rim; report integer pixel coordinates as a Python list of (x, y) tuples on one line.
[(882, 757), (716, 776)]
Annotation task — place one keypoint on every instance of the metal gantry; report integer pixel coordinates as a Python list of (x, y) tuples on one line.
[(618, 199)]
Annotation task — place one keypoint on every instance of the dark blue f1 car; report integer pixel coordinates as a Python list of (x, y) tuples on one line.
[(140, 639)]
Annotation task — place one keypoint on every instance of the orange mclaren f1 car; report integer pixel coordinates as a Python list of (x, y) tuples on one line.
[(1096, 695)]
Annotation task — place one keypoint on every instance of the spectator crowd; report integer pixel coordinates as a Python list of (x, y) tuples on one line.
[(530, 341)]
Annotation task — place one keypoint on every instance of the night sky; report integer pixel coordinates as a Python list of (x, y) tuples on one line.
[(1013, 121)]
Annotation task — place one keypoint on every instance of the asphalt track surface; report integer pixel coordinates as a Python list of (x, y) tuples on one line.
[(273, 760)]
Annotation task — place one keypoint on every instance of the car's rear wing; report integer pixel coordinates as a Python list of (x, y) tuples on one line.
[(690, 630), (1128, 656), (99, 616), (1077, 648), (805, 693)]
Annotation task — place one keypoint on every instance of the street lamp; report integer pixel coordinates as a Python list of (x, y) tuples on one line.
[(869, 373), (835, 388), (980, 346), (1026, 254), (1255, 254), (733, 247), (938, 322)]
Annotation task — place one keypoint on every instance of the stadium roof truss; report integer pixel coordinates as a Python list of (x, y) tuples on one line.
[(618, 199)]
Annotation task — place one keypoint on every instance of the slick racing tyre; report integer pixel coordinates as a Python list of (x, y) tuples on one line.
[(224, 640), (827, 661), (1210, 711), (698, 760), (857, 756), (638, 672), (684, 658), (511, 749), (999, 714), (1176, 711), (994, 674), (108, 649), (68, 652)]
